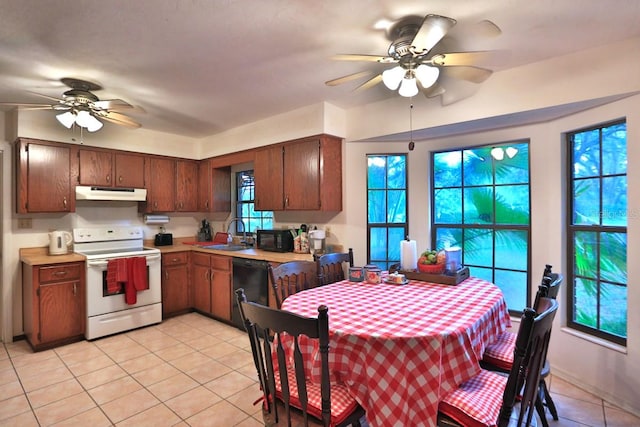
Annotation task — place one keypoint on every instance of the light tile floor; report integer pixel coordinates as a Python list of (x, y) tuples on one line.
[(187, 371)]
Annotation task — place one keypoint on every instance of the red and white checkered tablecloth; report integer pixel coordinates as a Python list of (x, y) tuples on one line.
[(401, 348)]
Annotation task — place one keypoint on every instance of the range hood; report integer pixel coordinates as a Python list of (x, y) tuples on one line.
[(110, 193)]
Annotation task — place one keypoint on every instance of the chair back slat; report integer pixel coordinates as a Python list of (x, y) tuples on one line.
[(549, 286), (291, 277), (261, 322), (529, 356), (331, 267)]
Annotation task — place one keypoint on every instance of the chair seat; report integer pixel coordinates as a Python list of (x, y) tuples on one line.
[(342, 402), (500, 352), (477, 402)]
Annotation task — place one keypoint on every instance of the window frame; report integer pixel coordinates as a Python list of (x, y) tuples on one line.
[(572, 229), (239, 203), (387, 225), (495, 227)]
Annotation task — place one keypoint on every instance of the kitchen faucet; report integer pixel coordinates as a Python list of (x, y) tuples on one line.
[(244, 229)]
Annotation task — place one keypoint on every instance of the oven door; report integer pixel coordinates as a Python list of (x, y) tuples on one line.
[(99, 301)]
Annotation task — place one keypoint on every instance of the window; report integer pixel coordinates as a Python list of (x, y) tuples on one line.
[(481, 203), (386, 207), (252, 219), (597, 228)]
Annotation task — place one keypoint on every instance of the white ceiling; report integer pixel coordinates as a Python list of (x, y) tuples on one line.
[(199, 67)]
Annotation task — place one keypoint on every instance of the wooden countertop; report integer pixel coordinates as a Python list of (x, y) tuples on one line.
[(40, 256)]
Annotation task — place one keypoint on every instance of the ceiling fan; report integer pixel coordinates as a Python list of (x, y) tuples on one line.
[(418, 65), (81, 107)]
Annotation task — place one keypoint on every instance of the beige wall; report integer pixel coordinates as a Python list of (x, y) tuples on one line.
[(611, 372)]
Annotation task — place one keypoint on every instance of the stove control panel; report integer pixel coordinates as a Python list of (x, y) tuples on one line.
[(107, 234)]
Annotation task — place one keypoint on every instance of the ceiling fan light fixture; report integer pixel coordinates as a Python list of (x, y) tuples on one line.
[(83, 118), (409, 85), (66, 119), (94, 125), (393, 77), (427, 75)]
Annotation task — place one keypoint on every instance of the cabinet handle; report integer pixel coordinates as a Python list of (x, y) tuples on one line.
[(166, 275), (64, 202), (108, 178), (120, 178), (75, 289), (212, 272), (155, 205), (61, 273), (206, 275), (286, 201), (174, 259), (206, 204)]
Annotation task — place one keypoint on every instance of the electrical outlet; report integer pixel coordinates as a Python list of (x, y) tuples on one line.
[(25, 222), (327, 230)]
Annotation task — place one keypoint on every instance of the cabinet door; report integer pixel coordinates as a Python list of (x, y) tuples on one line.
[(95, 168), (129, 171), (44, 183), (221, 178), (186, 186), (205, 186), (221, 294), (201, 286), (61, 310), (221, 286), (302, 175), (162, 194), (175, 283), (268, 175)]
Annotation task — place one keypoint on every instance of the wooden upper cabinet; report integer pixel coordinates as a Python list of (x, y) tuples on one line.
[(110, 169), (43, 177), (161, 192), (268, 174), (305, 174), (129, 170), (214, 188), (186, 186)]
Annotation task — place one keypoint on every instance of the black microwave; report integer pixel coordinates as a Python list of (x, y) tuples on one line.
[(275, 240)]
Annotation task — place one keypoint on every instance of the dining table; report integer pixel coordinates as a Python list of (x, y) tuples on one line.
[(400, 348)]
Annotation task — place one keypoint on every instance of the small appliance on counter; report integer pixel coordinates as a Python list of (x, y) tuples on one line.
[(274, 240), (163, 239), (59, 242), (204, 234)]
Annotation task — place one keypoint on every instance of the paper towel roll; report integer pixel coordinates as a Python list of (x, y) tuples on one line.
[(156, 219), (408, 255)]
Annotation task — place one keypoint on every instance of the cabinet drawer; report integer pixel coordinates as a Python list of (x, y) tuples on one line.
[(221, 262), (175, 258), (60, 272), (200, 258)]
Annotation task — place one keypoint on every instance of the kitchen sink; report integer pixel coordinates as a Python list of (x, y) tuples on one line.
[(226, 247)]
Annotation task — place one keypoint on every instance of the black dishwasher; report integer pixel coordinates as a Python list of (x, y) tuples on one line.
[(251, 275)]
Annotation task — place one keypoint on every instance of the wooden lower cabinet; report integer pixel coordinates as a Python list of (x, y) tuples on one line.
[(54, 306), (211, 284), (175, 284)]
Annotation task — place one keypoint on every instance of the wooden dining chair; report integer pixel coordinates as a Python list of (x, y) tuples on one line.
[(291, 277), (498, 356), (331, 267), (489, 398), (289, 397)]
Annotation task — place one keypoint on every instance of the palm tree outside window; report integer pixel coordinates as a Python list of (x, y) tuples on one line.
[(481, 203), (597, 231)]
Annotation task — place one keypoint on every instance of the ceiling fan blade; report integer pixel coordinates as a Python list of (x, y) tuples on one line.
[(46, 96), (367, 58), (28, 106), (370, 83), (119, 119), (472, 74), (347, 78), (487, 28), (433, 29), (433, 91), (481, 57), (113, 104)]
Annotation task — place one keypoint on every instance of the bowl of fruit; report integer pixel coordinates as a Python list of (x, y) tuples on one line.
[(431, 261)]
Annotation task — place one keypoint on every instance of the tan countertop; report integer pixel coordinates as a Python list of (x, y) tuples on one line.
[(40, 256)]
